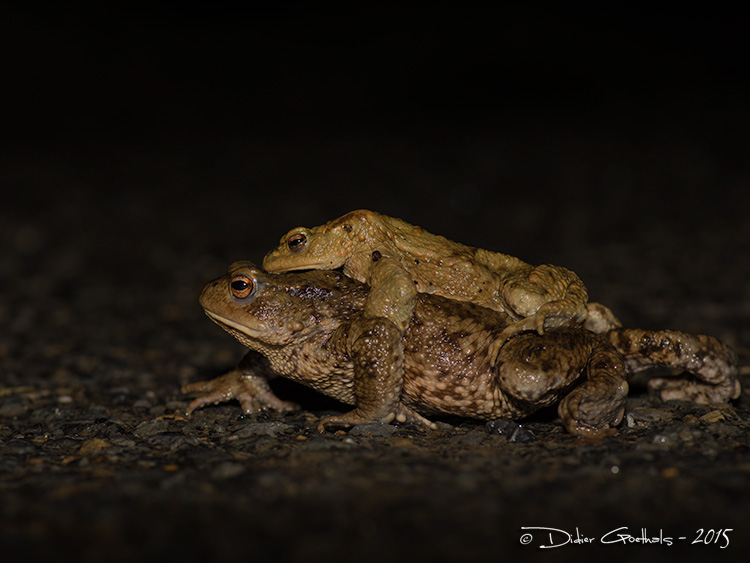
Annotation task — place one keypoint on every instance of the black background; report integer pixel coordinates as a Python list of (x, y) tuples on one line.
[(144, 148), (571, 137)]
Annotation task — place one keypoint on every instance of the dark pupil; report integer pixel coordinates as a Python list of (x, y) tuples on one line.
[(296, 241), (239, 285)]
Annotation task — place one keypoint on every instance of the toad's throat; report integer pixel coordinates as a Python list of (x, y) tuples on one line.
[(232, 326)]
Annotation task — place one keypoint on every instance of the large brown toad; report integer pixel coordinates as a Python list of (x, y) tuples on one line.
[(309, 327)]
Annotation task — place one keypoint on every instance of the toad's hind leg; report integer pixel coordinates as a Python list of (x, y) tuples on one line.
[(597, 406), (711, 364), (535, 371)]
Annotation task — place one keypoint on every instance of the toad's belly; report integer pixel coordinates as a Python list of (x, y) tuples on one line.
[(431, 390)]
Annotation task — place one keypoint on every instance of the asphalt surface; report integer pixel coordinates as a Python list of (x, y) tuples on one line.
[(120, 203)]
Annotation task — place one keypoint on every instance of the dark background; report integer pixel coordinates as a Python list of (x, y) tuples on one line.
[(144, 150), (590, 140)]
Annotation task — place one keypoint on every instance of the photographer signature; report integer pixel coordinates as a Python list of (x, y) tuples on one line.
[(548, 538)]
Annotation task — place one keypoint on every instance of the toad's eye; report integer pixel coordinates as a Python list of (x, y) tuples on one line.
[(242, 286), (296, 242)]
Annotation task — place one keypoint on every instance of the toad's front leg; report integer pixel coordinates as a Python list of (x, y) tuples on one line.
[(246, 383), (375, 347), (541, 299), (547, 298)]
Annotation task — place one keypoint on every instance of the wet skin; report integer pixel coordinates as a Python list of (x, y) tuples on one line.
[(399, 260), (312, 327)]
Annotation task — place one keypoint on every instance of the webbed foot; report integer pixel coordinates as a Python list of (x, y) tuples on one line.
[(252, 392), (405, 415), (711, 363), (349, 419), (549, 317), (589, 418), (597, 406), (688, 388), (355, 417)]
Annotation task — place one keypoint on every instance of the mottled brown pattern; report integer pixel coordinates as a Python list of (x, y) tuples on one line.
[(313, 328)]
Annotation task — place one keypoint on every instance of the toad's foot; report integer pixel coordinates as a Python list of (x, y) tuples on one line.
[(585, 415), (687, 388), (403, 414), (600, 319), (549, 317), (251, 391), (597, 406), (712, 364), (549, 297), (351, 418)]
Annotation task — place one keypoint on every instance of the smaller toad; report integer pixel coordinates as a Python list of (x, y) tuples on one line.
[(398, 260), (311, 327)]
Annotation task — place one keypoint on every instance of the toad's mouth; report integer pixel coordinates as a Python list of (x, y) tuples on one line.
[(311, 265), (233, 327)]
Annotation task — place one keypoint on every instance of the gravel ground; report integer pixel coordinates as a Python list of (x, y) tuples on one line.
[(109, 235)]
